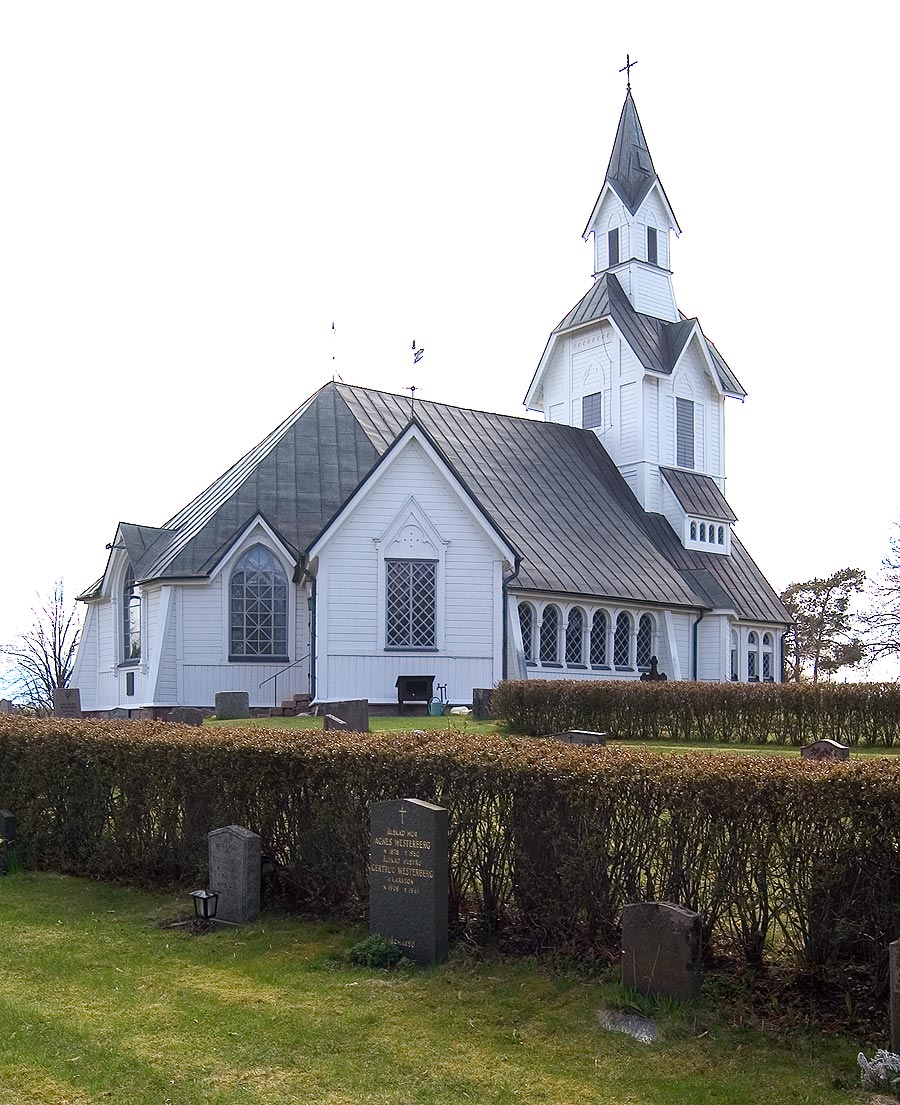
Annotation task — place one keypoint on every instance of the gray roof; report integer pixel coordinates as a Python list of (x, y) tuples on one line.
[(698, 494), (656, 344), (551, 490)]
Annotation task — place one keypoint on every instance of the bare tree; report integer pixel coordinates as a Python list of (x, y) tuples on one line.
[(43, 657), (882, 619)]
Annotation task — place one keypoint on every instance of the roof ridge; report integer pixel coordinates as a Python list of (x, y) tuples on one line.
[(436, 403)]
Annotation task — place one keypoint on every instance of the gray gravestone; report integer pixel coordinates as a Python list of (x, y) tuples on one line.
[(353, 712), (894, 950), (481, 704), (825, 750), (186, 715), (332, 722), (118, 714), (409, 878), (235, 873), (231, 705), (7, 835), (661, 950), (66, 702), (6, 707), (581, 736)]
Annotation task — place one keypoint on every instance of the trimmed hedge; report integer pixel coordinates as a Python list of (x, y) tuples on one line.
[(548, 840), (739, 713)]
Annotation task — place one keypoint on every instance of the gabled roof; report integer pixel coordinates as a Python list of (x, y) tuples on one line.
[(552, 490), (630, 172), (698, 494)]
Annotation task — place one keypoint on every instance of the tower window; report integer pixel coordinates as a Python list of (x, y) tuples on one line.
[(651, 245), (592, 411), (613, 239), (684, 434)]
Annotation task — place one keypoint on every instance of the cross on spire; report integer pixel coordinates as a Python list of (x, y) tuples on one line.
[(626, 68)]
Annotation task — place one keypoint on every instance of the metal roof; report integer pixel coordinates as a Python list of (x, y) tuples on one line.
[(698, 494), (552, 490)]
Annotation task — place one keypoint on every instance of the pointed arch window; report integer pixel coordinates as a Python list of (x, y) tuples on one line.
[(131, 619), (652, 252), (753, 657), (526, 624), (644, 641), (259, 595), (622, 641), (550, 635), (734, 655), (575, 637), (612, 239), (767, 656), (599, 630)]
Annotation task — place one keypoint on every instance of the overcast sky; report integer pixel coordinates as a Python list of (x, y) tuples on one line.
[(192, 192)]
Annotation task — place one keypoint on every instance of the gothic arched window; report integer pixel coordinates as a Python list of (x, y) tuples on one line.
[(259, 604), (131, 619), (734, 654), (753, 657), (644, 641), (575, 637), (599, 628), (767, 654), (622, 641), (550, 635), (526, 623)]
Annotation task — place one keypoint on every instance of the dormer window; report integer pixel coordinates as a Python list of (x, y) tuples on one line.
[(613, 241), (651, 245), (592, 411), (684, 433), (706, 536)]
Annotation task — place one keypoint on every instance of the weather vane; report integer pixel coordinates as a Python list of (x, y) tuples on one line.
[(626, 68)]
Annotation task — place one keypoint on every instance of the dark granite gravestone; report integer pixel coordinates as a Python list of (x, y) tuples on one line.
[(894, 950), (6, 707), (335, 723), (481, 704), (661, 950), (825, 750), (232, 705), (186, 715), (580, 736), (235, 873), (118, 714), (353, 712), (66, 702), (8, 836), (409, 878)]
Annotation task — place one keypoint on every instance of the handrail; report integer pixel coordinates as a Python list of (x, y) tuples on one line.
[(277, 673)]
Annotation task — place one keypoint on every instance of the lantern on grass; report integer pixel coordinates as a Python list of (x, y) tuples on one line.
[(205, 904)]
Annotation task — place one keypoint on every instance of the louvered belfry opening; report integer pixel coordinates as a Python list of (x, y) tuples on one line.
[(411, 603)]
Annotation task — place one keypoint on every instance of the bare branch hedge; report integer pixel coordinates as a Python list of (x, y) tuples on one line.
[(739, 713), (779, 856)]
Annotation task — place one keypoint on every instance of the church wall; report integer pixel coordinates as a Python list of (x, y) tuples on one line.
[(167, 682), (652, 293), (712, 636), (716, 405), (628, 415), (352, 661), (84, 677)]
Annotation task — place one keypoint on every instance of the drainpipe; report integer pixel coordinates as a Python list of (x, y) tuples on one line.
[(507, 580), (694, 639)]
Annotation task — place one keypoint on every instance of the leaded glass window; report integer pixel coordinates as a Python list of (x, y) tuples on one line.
[(622, 641), (411, 603), (550, 635), (131, 619), (575, 637), (526, 622), (767, 656), (734, 655), (259, 600), (599, 627), (644, 641), (753, 657)]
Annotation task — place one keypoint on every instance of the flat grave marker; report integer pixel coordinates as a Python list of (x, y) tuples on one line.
[(409, 878)]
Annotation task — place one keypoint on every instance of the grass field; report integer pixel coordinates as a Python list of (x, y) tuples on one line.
[(100, 1004)]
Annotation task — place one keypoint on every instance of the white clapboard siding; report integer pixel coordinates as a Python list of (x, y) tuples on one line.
[(628, 424), (710, 651), (167, 686), (203, 623), (378, 675), (652, 293), (84, 676)]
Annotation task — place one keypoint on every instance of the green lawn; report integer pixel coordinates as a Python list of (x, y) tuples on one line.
[(99, 1004)]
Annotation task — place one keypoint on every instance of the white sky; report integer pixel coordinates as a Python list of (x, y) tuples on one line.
[(192, 192)]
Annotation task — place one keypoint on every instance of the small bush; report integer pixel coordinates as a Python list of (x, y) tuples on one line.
[(375, 952)]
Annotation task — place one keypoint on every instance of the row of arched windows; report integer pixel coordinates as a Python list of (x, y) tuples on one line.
[(760, 657), (714, 535), (584, 639)]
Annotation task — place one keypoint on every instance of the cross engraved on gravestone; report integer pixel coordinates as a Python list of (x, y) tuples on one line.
[(825, 750), (661, 950), (235, 872), (894, 952), (66, 702), (409, 878)]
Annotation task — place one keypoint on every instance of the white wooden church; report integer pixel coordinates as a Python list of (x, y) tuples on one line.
[(357, 544)]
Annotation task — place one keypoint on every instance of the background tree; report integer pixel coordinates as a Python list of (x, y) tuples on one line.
[(881, 621), (43, 657), (823, 638)]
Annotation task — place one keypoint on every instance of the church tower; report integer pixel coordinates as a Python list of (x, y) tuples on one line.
[(628, 365)]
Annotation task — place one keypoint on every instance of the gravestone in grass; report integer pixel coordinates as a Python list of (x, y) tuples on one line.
[(235, 873), (7, 837), (186, 715), (481, 703), (661, 950), (409, 878), (232, 705), (6, 707), (894, 950), (66, 702), (825, 750), (353, 712)]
